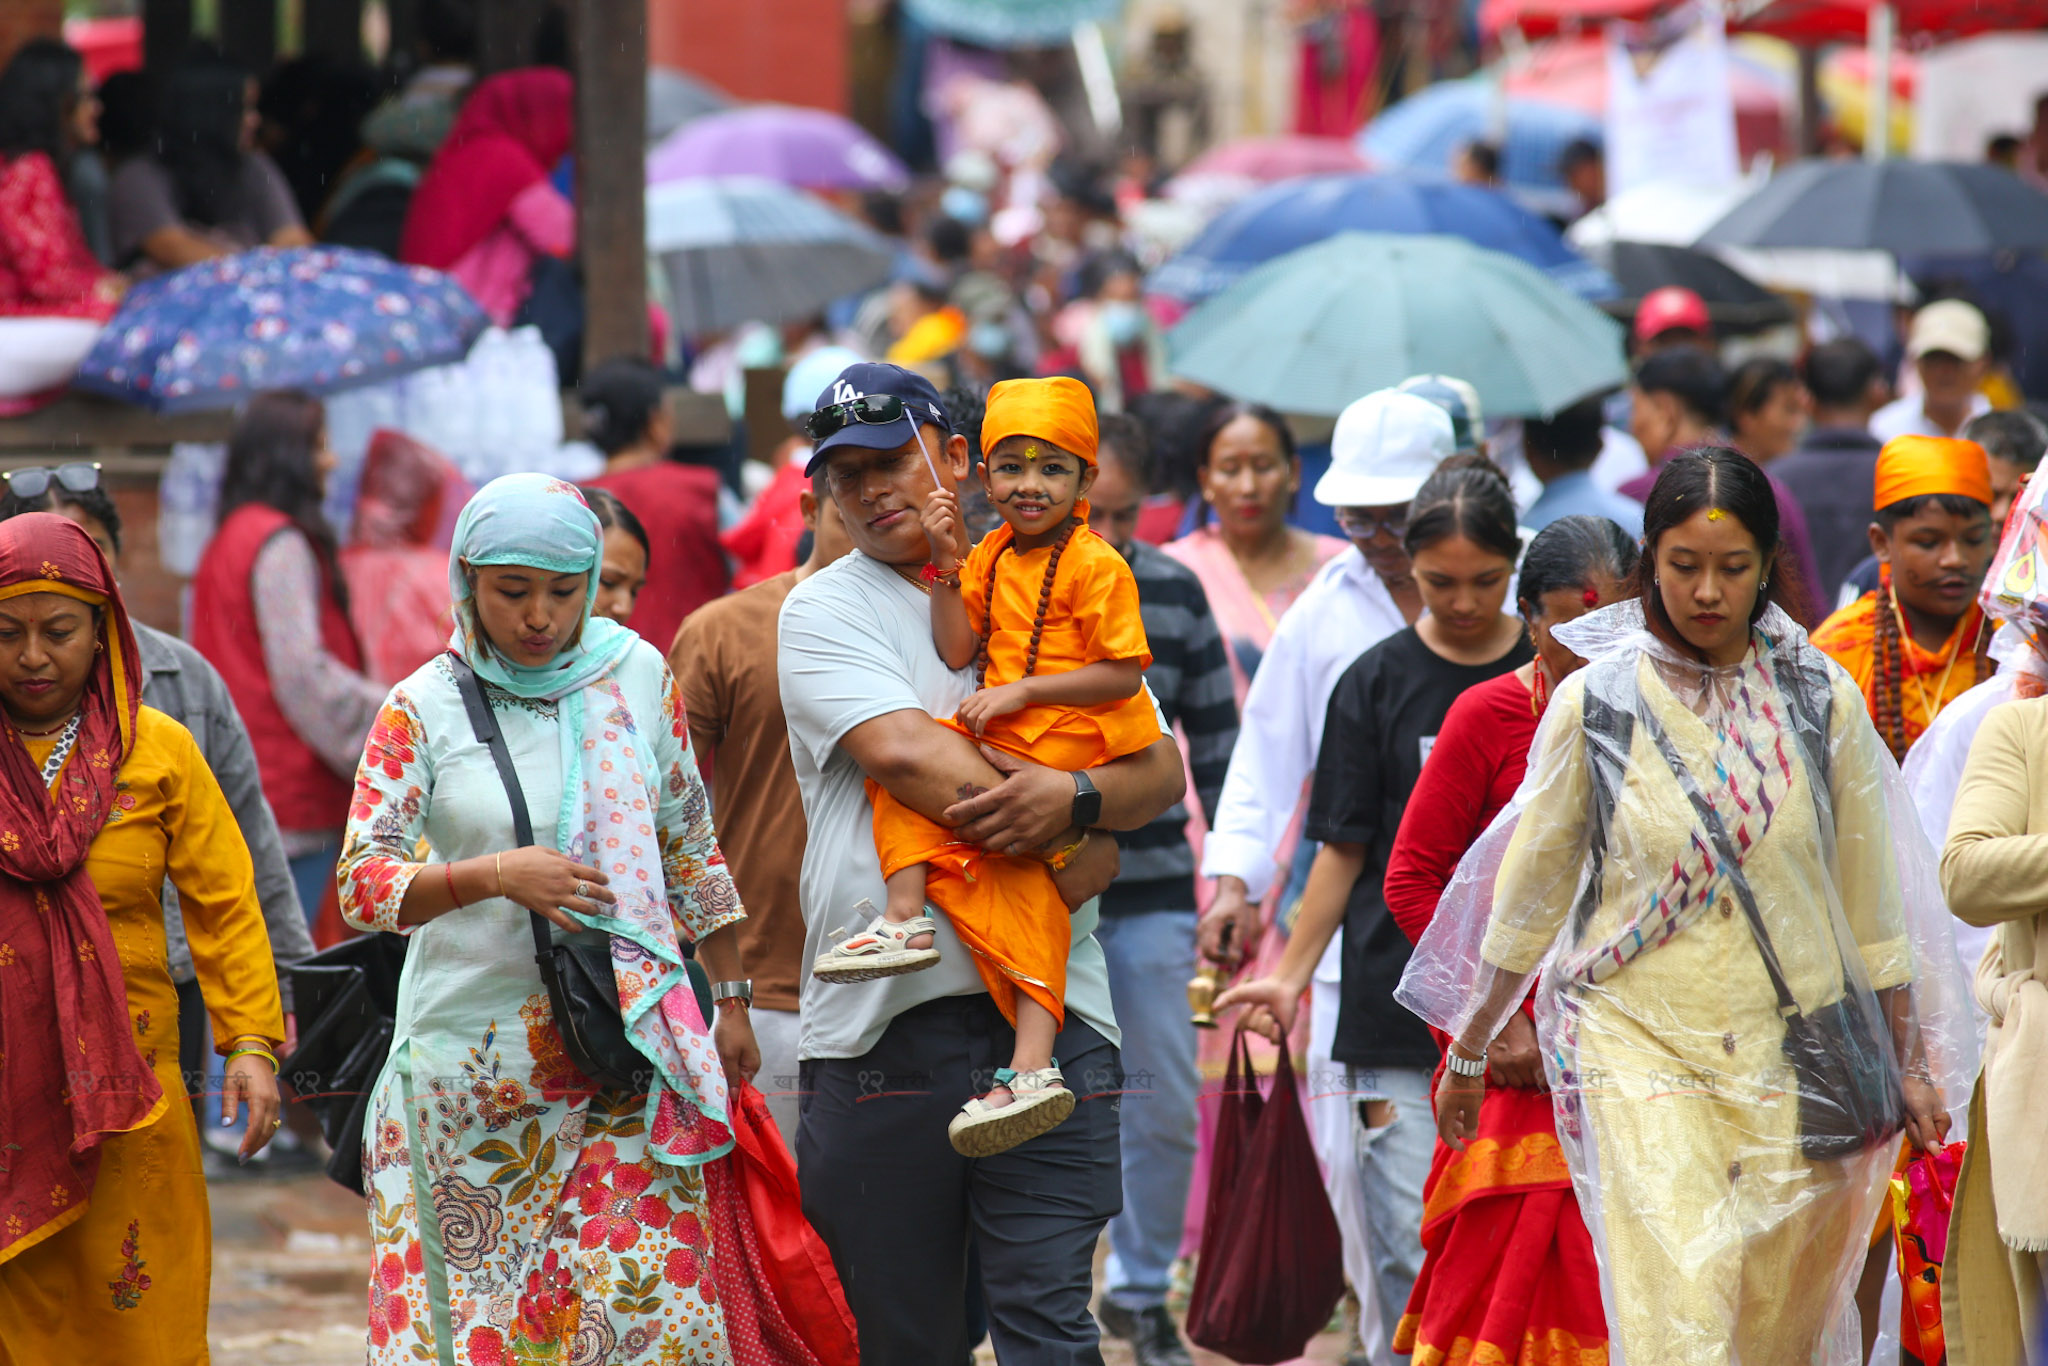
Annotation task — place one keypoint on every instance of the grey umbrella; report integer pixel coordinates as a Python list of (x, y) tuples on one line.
[(1908, 208), (676, 97), (738, 249)]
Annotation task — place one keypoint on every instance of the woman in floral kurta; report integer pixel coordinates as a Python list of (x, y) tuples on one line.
[(517, 1214)]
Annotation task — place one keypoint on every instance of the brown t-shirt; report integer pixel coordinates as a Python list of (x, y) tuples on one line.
[(724, 659)]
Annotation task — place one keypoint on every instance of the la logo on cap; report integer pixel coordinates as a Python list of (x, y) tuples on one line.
[(843, 392)]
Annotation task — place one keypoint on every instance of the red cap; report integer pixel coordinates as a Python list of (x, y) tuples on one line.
[(1672, 306)]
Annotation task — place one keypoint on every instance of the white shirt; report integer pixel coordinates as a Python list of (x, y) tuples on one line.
[(855, 643), (1344, 612), (1934, 774), (1908, 417)]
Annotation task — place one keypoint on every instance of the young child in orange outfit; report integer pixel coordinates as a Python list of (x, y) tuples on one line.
[(1047, 612)]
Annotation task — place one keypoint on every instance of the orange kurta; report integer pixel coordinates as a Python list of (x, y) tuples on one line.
[(128, 1280), (1929, 683), (1006, 910)]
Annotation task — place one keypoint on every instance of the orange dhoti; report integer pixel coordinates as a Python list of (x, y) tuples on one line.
[(1005, 909)]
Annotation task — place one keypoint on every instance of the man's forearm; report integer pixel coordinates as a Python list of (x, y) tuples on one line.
[(922, 764), (1139, 788)]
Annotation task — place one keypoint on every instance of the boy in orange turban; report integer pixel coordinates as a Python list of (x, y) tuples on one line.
[(1047, 612), (1905, 644)]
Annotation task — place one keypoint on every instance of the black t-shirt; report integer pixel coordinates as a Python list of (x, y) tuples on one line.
[(1382, 720)]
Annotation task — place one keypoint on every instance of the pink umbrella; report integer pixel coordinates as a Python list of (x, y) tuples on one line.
[(808, 148), (1278, 158), (1573, 71)]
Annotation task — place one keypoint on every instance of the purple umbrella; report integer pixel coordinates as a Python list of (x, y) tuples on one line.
[(809, 148)]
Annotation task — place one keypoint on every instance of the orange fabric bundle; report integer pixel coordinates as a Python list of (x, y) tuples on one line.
[(1916, 466), (1058, 410)]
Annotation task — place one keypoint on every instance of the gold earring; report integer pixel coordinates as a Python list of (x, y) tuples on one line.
[(98, 645)]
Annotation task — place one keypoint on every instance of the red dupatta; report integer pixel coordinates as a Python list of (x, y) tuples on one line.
[(70, 1073), (512, 130)]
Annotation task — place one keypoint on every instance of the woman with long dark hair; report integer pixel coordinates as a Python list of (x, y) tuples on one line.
[(206, 191), (53, 293), (270, 611), (1506, 1255), (1747, 985), (1384, 717)]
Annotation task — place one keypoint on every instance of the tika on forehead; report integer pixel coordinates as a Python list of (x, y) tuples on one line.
[(1031, 452)]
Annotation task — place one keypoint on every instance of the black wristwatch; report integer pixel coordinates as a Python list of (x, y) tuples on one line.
[(1087, 802)]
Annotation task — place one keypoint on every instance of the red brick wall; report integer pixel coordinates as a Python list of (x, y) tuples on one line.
[(21, 20), (153, 595), (793, 51)]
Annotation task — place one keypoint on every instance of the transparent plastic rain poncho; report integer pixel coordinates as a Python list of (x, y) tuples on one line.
[(1722, 1237)]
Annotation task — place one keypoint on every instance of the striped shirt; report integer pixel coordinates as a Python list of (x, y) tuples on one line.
[(1190, 675)]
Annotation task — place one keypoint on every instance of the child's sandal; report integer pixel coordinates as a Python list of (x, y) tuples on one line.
[(1039, 1103), (881, 950)]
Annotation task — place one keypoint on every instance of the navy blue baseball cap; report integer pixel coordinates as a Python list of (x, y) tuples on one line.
[(840, 404)]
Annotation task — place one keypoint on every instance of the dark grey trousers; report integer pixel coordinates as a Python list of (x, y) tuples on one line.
[(897, 1206)]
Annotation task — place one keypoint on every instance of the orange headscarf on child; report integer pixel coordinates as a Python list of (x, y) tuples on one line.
[(1058, 410), (1915, 466)]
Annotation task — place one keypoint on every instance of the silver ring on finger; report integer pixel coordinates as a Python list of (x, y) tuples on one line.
[(582, 891)]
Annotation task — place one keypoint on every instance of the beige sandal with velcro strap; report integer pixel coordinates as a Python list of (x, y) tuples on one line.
[(881, 950), (1039, 1103)]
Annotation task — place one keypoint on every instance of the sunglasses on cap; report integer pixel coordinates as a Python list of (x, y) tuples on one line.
[(33, 481), (875, 410)]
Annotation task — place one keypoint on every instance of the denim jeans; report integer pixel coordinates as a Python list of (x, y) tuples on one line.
[(1393, 1164), (1151, 955)]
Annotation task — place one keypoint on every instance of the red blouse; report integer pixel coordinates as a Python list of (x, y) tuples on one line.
[(1480, 754), (46, 269)]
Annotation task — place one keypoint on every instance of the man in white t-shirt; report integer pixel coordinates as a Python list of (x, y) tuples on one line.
[(886, 1064)]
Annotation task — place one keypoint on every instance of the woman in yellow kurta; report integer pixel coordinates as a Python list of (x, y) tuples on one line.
[(1710, 838), (105, 1240), (1919, 641)]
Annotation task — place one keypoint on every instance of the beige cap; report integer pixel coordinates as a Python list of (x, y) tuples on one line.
[(1949, 325)]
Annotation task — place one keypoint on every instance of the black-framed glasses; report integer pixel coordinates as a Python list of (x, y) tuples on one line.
[(33, 481), (875, 410), (1361, 525)]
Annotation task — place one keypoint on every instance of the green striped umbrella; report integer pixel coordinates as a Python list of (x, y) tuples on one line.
[(1319, 327)]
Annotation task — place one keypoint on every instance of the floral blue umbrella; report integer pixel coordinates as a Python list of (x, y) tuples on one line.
[(319, 319)]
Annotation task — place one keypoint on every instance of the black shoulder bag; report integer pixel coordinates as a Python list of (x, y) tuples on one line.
[(1851, 1096), (575, 968)]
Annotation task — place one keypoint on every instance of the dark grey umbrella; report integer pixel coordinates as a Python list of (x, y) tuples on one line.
[(1736, 303), (1908, 208), (675, 97)]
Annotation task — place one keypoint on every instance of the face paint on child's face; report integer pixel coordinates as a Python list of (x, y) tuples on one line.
[(1033, 485)]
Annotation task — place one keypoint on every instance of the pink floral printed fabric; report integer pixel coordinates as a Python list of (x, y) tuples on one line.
[(519, 1215)]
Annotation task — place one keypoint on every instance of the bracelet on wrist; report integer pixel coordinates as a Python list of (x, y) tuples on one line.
[(448, 873), (256, 1053), (1464, 1067)]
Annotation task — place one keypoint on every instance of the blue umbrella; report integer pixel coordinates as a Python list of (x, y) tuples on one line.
[(1422, 131), (1011, 23), (1295, 213), (319, 319), (1330, 323)]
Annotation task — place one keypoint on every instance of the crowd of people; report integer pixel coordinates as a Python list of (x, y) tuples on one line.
[(1612, 808)]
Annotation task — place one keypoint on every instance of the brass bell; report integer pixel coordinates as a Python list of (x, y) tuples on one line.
[(1202, 988)]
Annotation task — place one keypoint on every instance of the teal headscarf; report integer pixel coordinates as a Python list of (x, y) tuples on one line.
[(608, 785), (540, 522)]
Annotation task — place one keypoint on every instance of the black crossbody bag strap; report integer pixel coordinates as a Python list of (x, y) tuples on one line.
[(485, 723)]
